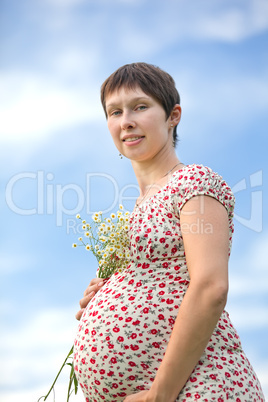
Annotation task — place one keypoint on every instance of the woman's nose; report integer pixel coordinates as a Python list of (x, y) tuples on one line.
[(127, 122)]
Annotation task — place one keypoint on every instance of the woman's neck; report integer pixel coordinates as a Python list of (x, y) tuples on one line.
[(155, 170)]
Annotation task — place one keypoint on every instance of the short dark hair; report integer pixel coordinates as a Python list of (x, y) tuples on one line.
[(151, 79)]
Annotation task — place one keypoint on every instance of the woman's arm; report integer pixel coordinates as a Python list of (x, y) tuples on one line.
[(205, 231)]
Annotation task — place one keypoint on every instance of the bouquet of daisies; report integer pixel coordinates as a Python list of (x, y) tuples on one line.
[(107, 238)]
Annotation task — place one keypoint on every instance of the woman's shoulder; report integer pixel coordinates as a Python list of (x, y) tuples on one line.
[(195, 169), (197, 179), (198, 173)]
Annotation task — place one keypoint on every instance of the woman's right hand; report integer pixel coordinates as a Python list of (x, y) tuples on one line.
[(91, 290)]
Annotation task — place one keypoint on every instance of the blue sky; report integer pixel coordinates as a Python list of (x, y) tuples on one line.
[(57, 158)]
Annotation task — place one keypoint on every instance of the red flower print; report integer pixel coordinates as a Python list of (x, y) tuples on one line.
[(169, 301), (134, 347), (193, 379), (124, 326), (144, 366), (144, 265)]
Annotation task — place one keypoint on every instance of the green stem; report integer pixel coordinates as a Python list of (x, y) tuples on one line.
[(52, 386), (70, 383)]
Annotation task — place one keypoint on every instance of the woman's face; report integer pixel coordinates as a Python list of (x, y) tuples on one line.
[(138, 124)]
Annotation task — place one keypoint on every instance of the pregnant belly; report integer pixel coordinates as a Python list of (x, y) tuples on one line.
[(122, 337)]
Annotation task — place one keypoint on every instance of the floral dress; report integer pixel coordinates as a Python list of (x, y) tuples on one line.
[(124, 331)]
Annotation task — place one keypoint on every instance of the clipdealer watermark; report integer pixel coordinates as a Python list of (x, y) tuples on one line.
[(50, 198)]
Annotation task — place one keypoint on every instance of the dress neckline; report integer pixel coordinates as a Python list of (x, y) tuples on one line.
[(162, 188)]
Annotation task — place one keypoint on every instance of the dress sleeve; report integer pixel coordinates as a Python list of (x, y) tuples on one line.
[(201, 180)]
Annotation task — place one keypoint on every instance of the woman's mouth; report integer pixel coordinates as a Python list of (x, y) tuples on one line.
[(133, 140)]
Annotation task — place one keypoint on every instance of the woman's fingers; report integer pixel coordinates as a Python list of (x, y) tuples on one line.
[(91, 290), (93, 286), (79, 314)]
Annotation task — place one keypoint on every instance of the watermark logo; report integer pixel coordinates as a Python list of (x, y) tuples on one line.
[(48, 198), (254, 222)]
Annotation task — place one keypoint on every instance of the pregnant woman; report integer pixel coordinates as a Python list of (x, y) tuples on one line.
[(158, 331)]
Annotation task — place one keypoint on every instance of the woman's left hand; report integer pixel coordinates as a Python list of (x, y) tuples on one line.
[(143, 396), (139, 397)]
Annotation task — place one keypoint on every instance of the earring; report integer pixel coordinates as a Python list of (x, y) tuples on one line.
[(120, 156), (171, 125)]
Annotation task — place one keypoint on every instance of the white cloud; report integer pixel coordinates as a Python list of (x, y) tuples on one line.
[(32, 394), (262, 371), (251, 268), (35, 350), (248, 317), (33, 107), (221, 21), (63, 3), (230, 22), (10, 264)]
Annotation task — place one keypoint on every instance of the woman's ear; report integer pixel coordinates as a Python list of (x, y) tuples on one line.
[(175, 115)]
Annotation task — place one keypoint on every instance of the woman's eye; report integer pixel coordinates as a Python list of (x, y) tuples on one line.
[(142, 107), (115, 113)]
